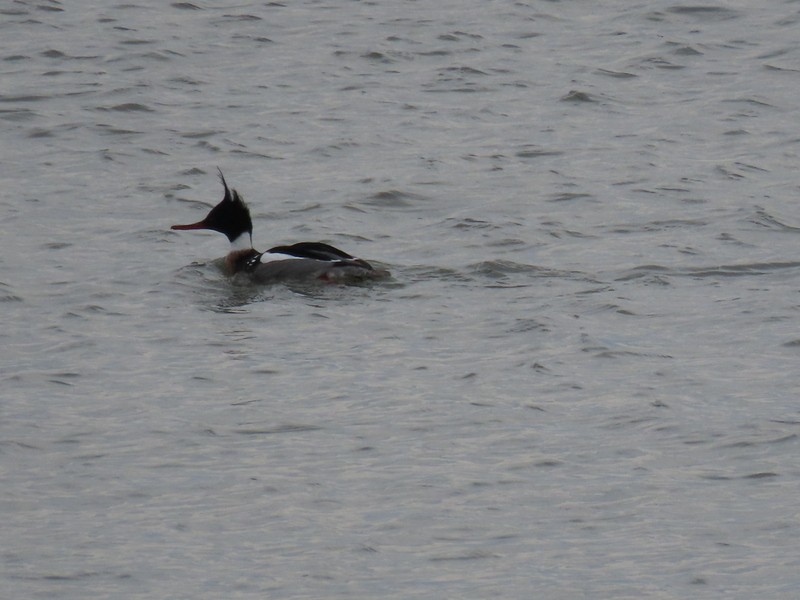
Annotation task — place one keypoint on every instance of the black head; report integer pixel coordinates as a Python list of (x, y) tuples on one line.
[(230, 217)]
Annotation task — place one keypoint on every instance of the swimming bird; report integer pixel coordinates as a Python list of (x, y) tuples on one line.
[(309, 261)]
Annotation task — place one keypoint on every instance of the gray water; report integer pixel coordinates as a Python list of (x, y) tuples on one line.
[(581, 381)]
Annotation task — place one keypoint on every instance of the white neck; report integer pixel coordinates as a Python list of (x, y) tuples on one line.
[(243, 242)]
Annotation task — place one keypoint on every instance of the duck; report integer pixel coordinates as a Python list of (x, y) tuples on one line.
[(298, 262)]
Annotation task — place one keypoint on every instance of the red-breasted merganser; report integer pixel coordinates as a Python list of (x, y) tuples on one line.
[(311, 261)]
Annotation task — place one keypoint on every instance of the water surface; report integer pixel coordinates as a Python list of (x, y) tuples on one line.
[(580, 382)]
